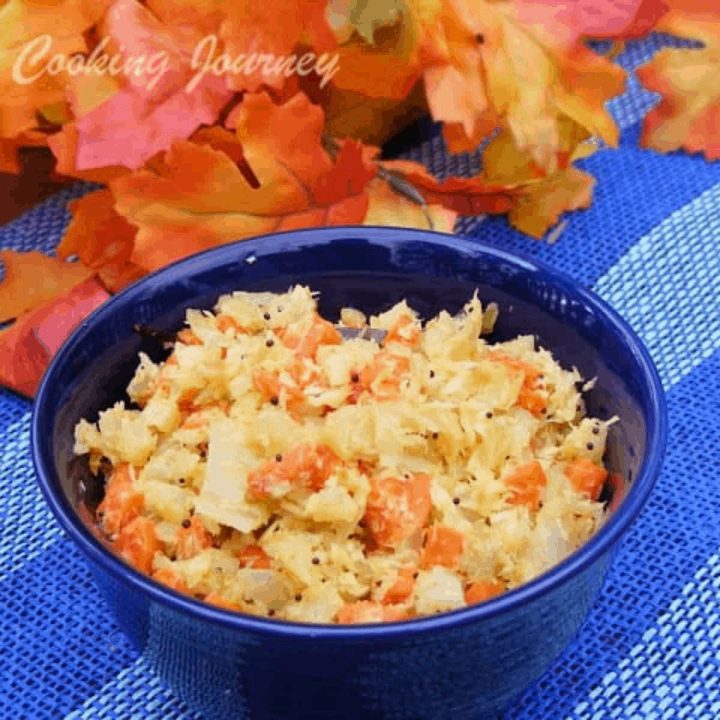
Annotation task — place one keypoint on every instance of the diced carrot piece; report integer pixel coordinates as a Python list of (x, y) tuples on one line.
[(137, 543), (482, 590), (531, 400), (121, 504), (397, 507), (171, 579), (253, 556), (404, 331), (219, 601), (267, 384), (193, 539), (225, 322), (402, 588), (186, 401), (586, 476), (443, 546), (528, 397), (188, 337), (366, 611), (270, 475), (526, 483), (382, 377), (303, 466), (271, 386), (306, 345)]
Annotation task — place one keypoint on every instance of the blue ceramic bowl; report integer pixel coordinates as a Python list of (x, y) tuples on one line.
[(464, 664)]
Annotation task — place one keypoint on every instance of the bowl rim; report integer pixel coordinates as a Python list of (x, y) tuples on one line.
[(604, 540)]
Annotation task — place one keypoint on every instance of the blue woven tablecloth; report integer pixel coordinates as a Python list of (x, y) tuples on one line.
[(650, 245)]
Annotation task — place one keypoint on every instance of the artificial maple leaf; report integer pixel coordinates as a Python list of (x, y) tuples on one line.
[(454, 82), (178, 213), (371, 120), (526, 75), (465, 196), (32, 279), (688, 115), (148, 112), (611, 19), (203, 15), (9, 147), (506, 165), (363, 16), (538, 206), (64, 146), (387, 207), (27, 346), (27, 27), (272, 29), (538, 198), (101, 239), (390, 65)]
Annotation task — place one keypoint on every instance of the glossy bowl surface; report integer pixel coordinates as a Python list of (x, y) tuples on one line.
[(464, 664)]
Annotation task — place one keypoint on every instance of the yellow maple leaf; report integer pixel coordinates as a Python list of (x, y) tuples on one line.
[(688, 115)]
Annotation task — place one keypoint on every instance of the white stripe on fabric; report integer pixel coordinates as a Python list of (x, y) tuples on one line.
[(674, 305), (667, 286), (135, 692), (651, 681), (23, 504)]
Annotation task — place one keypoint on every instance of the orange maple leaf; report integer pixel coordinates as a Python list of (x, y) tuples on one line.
[(101, 239), (465, 196), (299, 185), (272, 29), (31, 32), (527, 74), (22, 291), (387, 207), (688, 115), (147, 111), (27, 346)]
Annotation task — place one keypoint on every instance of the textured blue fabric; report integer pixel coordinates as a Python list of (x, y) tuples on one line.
[(651, 646)]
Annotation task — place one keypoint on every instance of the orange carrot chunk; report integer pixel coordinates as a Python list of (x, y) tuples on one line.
[(303, 466), (402, 588), (137, 543), (397, 507), (171, 579), (225, 322), (121, 504), (482, 590), (382, 377), (528, 397), (586, 476), (192, 539), (306, 345), (526, 484), (366, 611), (404, 331), (188, 337), (253, 556), (443, 546)]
